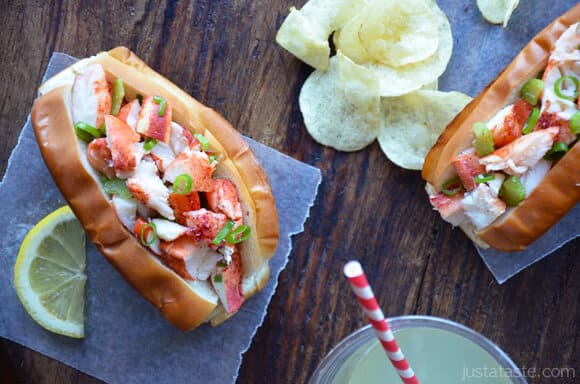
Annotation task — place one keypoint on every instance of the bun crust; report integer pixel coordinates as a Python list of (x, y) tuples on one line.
[(185, 304), (558, 192)]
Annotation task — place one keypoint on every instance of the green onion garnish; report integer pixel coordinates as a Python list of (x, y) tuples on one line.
[(218, 278), (149, 144), (211, 159), (532, 90), (222, 263), (483, 142), (483, 178), (162, 104), (223, 233), (532, 121), (103, 129), (118, 95), (202, 140), (116, 186), (84, 136), (148, 234), (575, 123), (512, 191), (86, 132), (558, 90), (238, 235), (182, 184), (558, 150), (452, 187), (140, 98)]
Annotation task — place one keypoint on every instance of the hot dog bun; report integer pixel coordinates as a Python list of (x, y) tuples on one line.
[(557, 193), (185, 304)]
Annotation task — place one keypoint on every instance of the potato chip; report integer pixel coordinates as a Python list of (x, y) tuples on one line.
[(305, 32), (433, 86), (402, 80), (360, 85), (304, 40), (341, 106), (510, 9), (397, 33), (497, 11), (412, 123), (395, 81), (347, 39)]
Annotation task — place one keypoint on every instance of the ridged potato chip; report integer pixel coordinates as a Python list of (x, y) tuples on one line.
[(412, 123), (497, 11), (341, 106), (305, 32), (397, 33)]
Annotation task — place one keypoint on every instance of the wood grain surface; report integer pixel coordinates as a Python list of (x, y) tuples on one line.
[(223, 53)]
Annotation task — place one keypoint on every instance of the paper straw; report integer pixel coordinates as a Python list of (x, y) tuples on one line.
[(364, 293)]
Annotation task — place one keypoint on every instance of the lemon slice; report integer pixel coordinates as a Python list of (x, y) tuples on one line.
[(49, 275)]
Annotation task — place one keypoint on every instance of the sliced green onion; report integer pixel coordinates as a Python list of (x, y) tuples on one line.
[(575, 123), (239, 234), (223, 233), (84, 136), (148, 234), (452, 187), (558, 90), (86, 132), (211, 159), (149, 144), (484, 178), (222, 263), (103, 129), (116, 186), (532, 121), (218, 278), (483, 142), (182, 184), (140, 98), (532, 90), (162, 104), (558, 150), (512, 191), (118, 95), (202, 140)]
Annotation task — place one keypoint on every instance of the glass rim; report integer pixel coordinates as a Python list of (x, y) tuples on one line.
[(332, 362)]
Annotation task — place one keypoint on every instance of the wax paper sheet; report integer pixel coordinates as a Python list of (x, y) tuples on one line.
[(505, 265), (127, 340)]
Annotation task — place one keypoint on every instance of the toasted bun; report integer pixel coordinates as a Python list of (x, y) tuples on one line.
[(558, 192), (185, 304)]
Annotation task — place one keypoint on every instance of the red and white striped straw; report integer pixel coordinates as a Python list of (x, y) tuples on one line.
[(364, 293)]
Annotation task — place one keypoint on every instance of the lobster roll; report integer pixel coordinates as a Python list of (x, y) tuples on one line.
[(505, 169), (167, 190)]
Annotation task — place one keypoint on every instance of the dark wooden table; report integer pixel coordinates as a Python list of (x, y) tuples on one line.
[(224, 54)]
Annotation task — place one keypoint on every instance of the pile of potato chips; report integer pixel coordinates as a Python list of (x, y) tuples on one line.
[(381, 83)]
